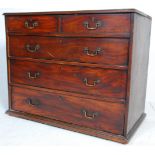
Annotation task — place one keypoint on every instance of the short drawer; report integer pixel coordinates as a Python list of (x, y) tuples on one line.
[(105, 116), (90, 50), (95, 23), (28, 24), (91, 81)]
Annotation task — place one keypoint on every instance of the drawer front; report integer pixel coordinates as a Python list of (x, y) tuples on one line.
[(90, 50), (85, 80), (108, 23), (32, 24), (99, 115)]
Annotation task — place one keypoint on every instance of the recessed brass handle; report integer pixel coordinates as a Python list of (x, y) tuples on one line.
[(95, 82), (89, 115), (31, 24), (33, 76), (31, 48), (97, 25), (33, 102), (92, 53)]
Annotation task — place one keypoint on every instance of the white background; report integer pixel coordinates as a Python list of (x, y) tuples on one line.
[(15, 131)]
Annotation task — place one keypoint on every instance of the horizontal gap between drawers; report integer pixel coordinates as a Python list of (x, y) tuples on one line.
[(60, 34), (115, 100), (70, 63)]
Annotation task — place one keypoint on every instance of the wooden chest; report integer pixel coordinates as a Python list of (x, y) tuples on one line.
[(85, 71)]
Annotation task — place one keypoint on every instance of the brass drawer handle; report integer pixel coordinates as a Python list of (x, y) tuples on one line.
[(89, 115), (36, 75), (92, 53), (31, 24), (31, 48), (33, 102), (97, 25), (95, 82)]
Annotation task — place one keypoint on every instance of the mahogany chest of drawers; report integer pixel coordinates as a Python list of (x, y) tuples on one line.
[(85, 71)]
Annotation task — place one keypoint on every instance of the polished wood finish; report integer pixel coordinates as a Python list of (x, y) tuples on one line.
[(71, 49), (94, 97), (108, 23), (104, 83), (109, 11), (69, 126), (85, 71), (139, 57), (81, 35), (77, 128), (92, 65), (104, 116), (43, 24)]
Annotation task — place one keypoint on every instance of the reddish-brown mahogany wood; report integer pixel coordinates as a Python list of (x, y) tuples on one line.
[(85, 71), (109, 23), (87, 50), (138, 65), (101, 82), (31, 24), (109, 11), (102, 116)]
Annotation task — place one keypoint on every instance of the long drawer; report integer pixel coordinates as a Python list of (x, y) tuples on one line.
[(105, 116), (92, 81), (90, 50)]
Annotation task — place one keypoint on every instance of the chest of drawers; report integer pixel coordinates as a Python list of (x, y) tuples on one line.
[(85, 71)]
